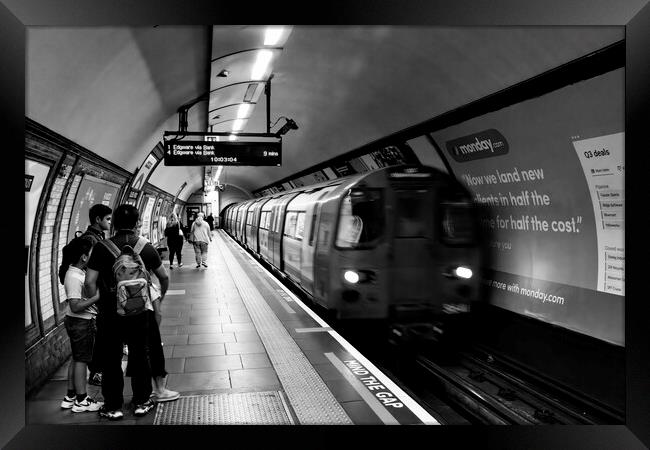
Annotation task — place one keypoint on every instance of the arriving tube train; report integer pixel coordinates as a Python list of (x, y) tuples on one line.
[(399, 243)]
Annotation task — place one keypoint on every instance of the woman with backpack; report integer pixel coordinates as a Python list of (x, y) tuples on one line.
[(174, 235)]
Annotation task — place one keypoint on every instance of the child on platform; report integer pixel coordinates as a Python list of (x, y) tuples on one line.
[(80, 326)]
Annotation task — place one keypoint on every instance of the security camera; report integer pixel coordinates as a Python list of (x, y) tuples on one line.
[(289, 125)]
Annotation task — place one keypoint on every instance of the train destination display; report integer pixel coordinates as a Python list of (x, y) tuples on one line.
[(228, 153)]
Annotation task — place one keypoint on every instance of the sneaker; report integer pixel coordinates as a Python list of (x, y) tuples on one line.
[(164, 395), (198, 266), (67, 402), (204, 264), (171, 266), (95, 379), (143, 409), (180, 264), (89, 404), (111, 415)]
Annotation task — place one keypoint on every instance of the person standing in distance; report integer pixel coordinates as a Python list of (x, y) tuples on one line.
[(200, 235), (210, 220), (174, 236)]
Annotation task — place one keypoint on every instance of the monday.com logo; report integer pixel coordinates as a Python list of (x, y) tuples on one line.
[(478, 145)]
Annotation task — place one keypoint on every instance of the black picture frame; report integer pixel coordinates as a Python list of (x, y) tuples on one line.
[(16, 15)]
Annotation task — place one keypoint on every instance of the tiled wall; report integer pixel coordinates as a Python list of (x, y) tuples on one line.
[(45, 251), (45, 358), (65, 222)]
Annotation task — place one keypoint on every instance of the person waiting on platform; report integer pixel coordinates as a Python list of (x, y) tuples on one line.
[(135, 330), (174, 235), (200, 235), (80, 326), (100, 223), (210, 221)]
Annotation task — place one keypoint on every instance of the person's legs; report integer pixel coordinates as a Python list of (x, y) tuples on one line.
[(71, 387), (81, 333), (171, 256), (154, 345), (95, 365), (68, 399), (112, 378), (157, 359), (138, 368), (80, 377), (177, 249), (204, 253), (197, 253)]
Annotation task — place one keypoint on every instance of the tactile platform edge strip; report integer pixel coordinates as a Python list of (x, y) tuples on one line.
[(311, 399), (248, 408)]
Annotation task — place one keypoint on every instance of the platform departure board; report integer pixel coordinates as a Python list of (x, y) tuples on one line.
[(229, 153)]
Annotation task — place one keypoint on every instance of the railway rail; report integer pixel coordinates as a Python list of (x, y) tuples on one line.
[(494, 390)]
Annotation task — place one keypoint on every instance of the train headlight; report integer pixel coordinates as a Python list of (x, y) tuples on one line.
[(351, 276), (463, 272)]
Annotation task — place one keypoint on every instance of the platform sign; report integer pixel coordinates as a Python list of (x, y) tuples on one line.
[(206, 152)]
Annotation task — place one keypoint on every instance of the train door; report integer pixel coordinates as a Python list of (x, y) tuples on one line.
[(281, 208), (326, 221), (291, 243), (411, 257), (266, 230), (309, 243), (244, 222)]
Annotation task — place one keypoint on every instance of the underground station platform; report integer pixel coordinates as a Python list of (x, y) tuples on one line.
[(242, 349)]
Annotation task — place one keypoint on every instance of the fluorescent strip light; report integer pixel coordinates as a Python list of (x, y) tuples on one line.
[(244, 111), (250, 92), (272, 35), (238, 125), (261, 64), (232, 137)]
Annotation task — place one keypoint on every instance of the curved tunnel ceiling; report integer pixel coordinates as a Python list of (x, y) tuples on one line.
[(115, 90)]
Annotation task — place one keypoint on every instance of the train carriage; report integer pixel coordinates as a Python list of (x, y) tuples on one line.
[(398, 243)]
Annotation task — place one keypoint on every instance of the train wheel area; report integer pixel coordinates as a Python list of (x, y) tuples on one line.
[(242, 349)]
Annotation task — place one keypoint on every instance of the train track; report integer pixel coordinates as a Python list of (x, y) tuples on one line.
[(488, 389)]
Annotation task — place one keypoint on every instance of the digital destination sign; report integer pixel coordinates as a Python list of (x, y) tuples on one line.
[(183, 152)]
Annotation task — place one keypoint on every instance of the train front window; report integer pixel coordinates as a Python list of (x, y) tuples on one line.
[(413, 212), (458, 225), (361, 218)]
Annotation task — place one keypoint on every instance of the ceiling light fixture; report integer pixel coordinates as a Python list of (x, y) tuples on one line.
[(261, 64), (224, 73), (250, 92), (272, 35), (232, 137)]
